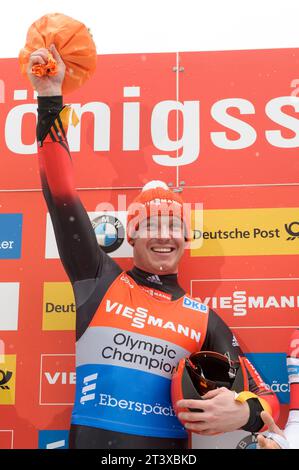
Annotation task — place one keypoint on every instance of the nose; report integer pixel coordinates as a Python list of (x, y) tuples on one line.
[(165, 232)]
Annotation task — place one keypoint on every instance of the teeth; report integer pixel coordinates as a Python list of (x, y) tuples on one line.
[(162, 250)]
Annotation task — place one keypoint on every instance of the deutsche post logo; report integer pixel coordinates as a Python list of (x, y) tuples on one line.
[(7, 379), (292, 230), (248, 232), (59, 310), (4, 379)]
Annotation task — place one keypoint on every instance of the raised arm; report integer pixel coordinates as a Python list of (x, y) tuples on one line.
[(80, 254)]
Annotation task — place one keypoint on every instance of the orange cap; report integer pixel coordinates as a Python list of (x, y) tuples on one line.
[(156, 199)]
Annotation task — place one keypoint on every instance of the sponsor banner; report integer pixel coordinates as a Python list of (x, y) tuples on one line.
[(123, 124), (244, 136), (242, 125), (251, 302), (59, 310), (242, 232), (110, 230), (111, 346), (132, 129), (10, 236), (136, 408), (8, 379), (9, 306), (144, 317), (57, 379), (53, 439), (272, 367), (6, 438)]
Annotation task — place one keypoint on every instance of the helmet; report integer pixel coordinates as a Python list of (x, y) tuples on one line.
[(204, 371)]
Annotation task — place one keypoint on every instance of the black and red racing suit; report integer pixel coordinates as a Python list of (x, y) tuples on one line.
[(128, 342)]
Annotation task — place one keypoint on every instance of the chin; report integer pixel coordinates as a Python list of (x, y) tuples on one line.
[(168, 269), (170, 266)]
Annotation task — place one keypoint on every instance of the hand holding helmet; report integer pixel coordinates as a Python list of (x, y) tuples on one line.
[(204, 391)]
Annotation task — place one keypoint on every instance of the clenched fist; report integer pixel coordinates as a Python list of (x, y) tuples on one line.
[(46, 85)]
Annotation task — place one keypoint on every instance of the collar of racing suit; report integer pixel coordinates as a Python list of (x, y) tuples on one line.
[(166, 283)]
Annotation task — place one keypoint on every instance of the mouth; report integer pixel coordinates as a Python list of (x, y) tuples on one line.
[(162, 250)]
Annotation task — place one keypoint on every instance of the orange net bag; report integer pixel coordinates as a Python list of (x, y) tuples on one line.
[(73, 42)]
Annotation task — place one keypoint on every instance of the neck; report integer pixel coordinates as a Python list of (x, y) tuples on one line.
[(164, 282)]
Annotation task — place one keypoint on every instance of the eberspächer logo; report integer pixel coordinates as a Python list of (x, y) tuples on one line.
[(272, 367), (292, 230), (52, 439), (10, 235), (109, 231), (88, 388)]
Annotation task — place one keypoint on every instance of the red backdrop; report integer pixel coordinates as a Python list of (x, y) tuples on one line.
[(231, 143)]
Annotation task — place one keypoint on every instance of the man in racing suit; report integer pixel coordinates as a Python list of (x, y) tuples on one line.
[(132, 328)]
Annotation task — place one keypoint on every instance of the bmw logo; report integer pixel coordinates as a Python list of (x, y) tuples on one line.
[(249, 442), (109, 231)]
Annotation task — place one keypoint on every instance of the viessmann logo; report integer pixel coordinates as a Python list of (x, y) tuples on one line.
[(272, 302), (141, 317), (240, 302), (242, 232), (57, 379)]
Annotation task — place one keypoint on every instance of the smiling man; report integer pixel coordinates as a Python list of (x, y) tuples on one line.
[(133, 327)]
